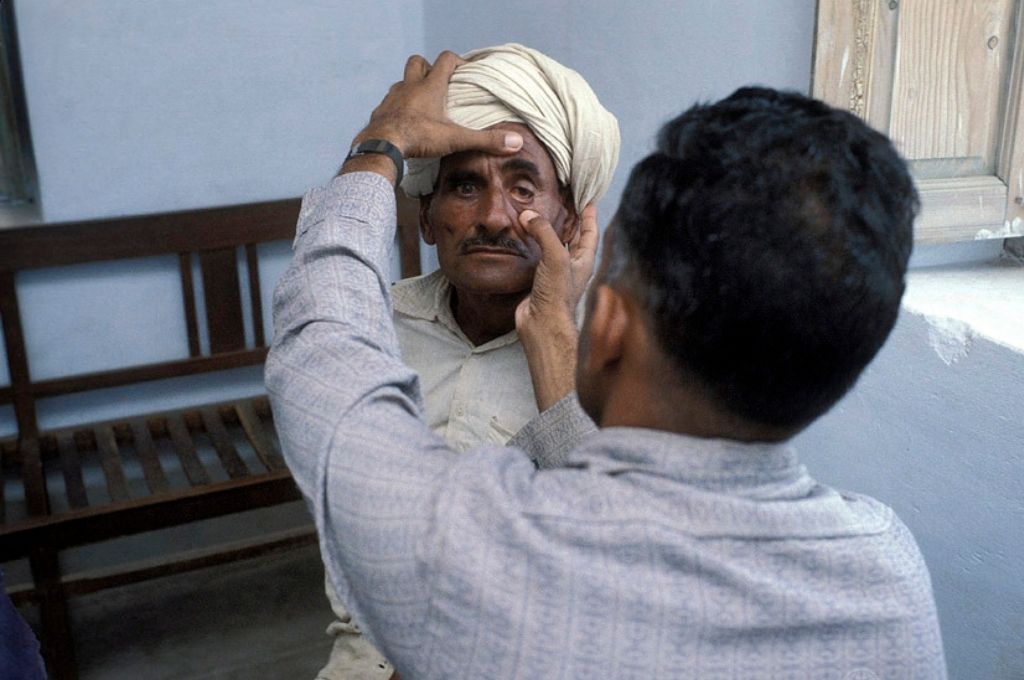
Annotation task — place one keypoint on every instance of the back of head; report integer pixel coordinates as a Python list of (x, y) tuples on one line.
[(768, 237)]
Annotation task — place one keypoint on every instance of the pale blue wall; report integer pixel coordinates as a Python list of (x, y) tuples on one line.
[(646, 61), (141, 105), (144, 106), (943, 444)]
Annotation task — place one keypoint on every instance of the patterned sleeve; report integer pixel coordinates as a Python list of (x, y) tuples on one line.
[(550, 436), (348, 410)]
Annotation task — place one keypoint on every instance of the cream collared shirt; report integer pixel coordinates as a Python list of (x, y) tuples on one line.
[(472, 394)]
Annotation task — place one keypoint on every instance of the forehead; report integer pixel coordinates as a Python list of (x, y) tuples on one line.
[(532, 150)]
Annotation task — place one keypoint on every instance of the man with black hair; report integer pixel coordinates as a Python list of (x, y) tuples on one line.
[(765, 241), (754, 268)]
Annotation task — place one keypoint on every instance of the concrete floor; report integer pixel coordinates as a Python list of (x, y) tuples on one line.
[(263, 618), (252, 619)]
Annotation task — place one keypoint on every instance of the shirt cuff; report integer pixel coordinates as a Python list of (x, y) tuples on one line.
[(550, 436)]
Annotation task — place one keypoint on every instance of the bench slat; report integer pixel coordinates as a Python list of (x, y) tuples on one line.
[(257, 436), (36, 499), (156, 480), (255, 296), (186, 450), (223, 300), (71, 466), (17, 357), (3, 485), (188, 295), (233, 463), (113, 466)]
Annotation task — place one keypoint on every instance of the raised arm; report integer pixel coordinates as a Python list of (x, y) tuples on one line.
[(546, 322), (546, 319), (346, 408)]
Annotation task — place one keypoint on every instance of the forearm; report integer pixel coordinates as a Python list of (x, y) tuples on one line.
[(551, 356), (331, 310), (336, 288), (546, 318), (345, 406)]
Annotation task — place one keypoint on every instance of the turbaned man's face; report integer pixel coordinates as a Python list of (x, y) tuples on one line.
[(472, 216)]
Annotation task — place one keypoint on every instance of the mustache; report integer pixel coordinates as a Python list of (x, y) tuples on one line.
[(492, 241)]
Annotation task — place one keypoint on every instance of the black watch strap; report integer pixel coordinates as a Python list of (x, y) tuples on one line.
[(380, 146)]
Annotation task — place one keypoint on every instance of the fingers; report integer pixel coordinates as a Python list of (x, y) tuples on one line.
[(497, 142), (444, 66), (588, 239), (416, 105), (416, 68), (551, 247)]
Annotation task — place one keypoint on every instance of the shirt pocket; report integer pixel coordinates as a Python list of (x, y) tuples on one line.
[(500, 432)]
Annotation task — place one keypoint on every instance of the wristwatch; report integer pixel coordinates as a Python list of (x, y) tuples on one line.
[(382, 146)]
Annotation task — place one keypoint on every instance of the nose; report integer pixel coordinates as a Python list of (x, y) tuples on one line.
[(497, 213)]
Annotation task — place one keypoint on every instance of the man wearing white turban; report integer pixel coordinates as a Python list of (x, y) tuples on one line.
[(516, 84), (456, 326)]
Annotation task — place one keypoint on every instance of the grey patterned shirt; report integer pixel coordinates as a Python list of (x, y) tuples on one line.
[(637, 554)]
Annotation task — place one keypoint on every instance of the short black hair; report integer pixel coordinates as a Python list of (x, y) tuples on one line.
[(768, 238)]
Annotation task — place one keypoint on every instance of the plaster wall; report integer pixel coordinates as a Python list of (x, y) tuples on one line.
[(140, 107), (934, 429)]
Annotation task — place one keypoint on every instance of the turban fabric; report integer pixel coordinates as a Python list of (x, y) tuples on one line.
[(516, 84)]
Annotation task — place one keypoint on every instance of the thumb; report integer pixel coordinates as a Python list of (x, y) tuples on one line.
[(552, 251), (498, 142)]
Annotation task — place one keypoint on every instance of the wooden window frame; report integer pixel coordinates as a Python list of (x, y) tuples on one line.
[(17, 168), (855, 60)]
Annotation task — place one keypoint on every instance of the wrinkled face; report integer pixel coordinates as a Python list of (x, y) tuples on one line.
[(472, 216)]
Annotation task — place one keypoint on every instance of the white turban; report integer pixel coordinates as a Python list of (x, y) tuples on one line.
[(516, 84)]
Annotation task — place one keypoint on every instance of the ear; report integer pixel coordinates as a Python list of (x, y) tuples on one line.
[(426, 230), (606, 328), (571, 225)]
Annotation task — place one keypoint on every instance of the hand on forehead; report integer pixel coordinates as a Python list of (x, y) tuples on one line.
[(515, 83)]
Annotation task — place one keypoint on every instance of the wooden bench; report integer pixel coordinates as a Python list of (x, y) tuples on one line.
[(196, 463)]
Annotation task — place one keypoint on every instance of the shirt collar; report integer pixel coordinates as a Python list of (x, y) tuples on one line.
[(422, 297), (428, 297), (715, 488), (714, 464)]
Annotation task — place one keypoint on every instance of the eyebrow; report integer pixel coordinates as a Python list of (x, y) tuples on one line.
[(521, 165), (460, 176)]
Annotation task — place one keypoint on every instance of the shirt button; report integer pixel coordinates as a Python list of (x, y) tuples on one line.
[(460, 411)]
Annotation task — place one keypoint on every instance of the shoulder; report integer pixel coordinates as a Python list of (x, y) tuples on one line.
[(419, 295)]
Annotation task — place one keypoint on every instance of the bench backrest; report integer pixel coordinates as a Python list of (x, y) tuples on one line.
[(213, 237)]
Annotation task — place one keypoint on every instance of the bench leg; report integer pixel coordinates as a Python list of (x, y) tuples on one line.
[(56, 641)]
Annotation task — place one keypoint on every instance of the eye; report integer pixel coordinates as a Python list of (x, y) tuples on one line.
[(465, 188), (523, 192)]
